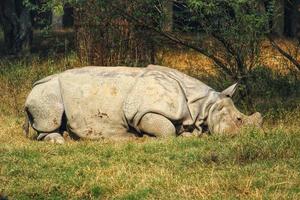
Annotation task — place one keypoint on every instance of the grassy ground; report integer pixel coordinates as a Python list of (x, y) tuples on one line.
[(254, 165)]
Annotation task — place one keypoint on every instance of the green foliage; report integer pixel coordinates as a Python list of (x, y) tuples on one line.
[(234, 28), (237, 26), (125, 32)]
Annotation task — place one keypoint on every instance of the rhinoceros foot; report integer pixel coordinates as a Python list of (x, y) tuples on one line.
[(52, 138)]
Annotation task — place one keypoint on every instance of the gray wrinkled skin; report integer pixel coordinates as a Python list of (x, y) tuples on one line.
[(120, 102)]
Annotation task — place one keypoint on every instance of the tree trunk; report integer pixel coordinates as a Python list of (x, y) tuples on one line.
[(105, 37), (262, 8), (16, 22), (57, 20), (278, 18), (292, 18), (167, 24), (68, 18), (245, 94)]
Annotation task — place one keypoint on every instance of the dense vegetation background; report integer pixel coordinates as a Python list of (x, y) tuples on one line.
[(219, 42)]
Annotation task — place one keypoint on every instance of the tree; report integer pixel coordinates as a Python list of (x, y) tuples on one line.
[(105, 37), (286, 54), (167, 21), (16, 23), (292, 18), (291, 29), (278, 17), (229, 33)]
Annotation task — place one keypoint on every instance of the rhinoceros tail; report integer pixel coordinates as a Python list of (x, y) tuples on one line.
[(26, 124)]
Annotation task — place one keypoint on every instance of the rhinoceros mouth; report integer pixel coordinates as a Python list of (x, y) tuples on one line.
[(205, 129)]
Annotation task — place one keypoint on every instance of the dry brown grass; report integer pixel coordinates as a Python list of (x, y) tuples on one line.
[(188, 61), (193, 62), (271, 58)]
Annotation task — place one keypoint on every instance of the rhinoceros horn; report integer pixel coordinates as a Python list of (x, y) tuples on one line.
[(230, 90)]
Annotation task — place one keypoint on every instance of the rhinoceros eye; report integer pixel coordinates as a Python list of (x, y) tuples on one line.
[(239, 119)]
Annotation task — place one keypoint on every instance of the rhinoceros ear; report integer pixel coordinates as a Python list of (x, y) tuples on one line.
[(230, 90)]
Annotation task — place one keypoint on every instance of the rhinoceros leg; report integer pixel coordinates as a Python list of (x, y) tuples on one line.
[(44, 108), (157, 125)]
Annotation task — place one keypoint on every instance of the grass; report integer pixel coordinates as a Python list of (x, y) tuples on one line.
[(253, 165)]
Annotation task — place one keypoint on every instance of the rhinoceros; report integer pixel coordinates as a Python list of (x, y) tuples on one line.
[(121, 102)]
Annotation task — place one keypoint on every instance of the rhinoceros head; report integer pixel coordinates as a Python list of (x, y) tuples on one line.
[(224, 117)]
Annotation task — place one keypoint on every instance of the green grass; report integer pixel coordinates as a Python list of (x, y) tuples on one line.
[(253, 165)]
